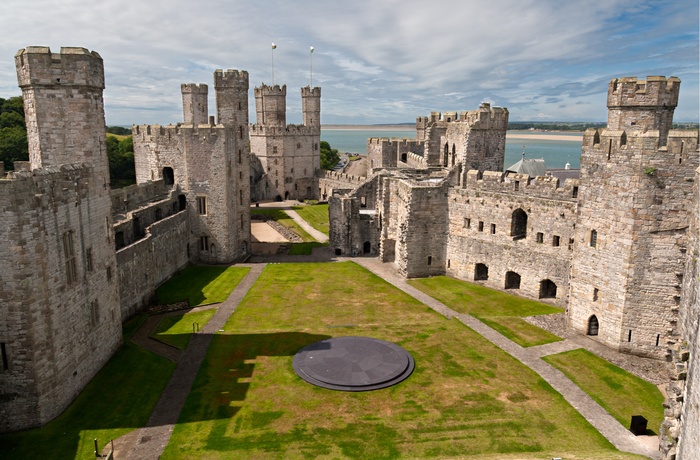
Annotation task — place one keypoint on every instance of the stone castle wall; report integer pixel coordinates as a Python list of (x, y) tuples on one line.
[(58, 243)]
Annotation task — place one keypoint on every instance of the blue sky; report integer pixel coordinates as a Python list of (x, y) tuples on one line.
[(377, 61)]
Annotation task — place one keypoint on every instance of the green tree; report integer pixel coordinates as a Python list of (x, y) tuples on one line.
[(13, 133), (329, 156), (121, 161)]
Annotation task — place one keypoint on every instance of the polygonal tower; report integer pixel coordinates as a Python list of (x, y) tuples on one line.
[(630, 234), (232, 98), (60, 315), (311, 105), (195, 103), (271, 105)]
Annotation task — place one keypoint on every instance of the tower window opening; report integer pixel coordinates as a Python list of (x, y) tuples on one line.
[(493, 229), (540, 237), (430, 260), (5, 361), (594, 239), (518, 226), (595, 294), (555, 240), (658, 337), (481, 272), (629, 335)]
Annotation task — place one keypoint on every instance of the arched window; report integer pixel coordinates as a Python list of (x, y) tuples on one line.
[(445, 154), (548, 290), (592, 326), (518, 225), (512, 280), (481, 272)]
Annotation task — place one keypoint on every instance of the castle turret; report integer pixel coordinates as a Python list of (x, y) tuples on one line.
[(643, 105), (63, 106), (631, 228), (232, 97), (271, 105), (195, 103), (311, 105)]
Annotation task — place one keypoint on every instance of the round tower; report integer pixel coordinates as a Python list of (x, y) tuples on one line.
[(195, 103), (231, 88), (311, 105), (271, 105), (643, 105), (63, 106)]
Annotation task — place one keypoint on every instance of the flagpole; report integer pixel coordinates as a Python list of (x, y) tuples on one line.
[(311, 67), (273, 63)]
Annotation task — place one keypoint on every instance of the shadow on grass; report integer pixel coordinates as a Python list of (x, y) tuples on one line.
[(191, 282), (224, 376)]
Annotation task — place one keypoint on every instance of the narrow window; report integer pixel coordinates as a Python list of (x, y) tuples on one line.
[(571, 244), (240, 156), (94, 313), (555, 240), (574, 192), (242, 222), (5, 363), (594, 238), (202, 205), (493, 229), (609, 148), (69, 253), (658, 337), (595, 294), (517, 185), (109, 273), (430, 260), (481, 226), (88, 259), (240, 132), (274, 149), (629, 335), (240, 197), (204, 243), (540, 237), (467, 222)]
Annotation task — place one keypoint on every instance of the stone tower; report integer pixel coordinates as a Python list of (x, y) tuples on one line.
[(285, 157), (195, 103), (630, 234), (59, 317), (311, 105), (210, 163), (271, 105)]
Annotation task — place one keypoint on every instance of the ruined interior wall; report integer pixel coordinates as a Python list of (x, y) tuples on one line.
[(147, 263), (480, 224)]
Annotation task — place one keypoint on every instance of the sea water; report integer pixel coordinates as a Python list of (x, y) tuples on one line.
[(556, 153)]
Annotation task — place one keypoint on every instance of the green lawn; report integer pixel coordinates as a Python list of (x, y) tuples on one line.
[(304, 248), (177, 330), (616, 390), (118, 400), (316, 216), (501, 311), (201, 284), (283, 218), (466, 398)]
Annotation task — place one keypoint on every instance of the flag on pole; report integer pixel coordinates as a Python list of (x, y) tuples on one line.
[(311, 49), (274, 46)]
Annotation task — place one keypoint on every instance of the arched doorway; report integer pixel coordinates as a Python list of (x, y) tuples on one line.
[(481, 272), (548, 290), (512, 280), (592, 325), (168, 176)]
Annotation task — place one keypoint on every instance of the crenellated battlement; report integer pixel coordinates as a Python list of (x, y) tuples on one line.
[(264, 130), (172, 133), (485, 117), (522, 185), (678, 142), (307, 91), (276, 90), (231, 78), (47, 187), (655, 91), (194, 88), (37, 65)]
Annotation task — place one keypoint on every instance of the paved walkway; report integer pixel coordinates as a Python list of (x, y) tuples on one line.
[(149, 442), (618, 435), (319, 236)]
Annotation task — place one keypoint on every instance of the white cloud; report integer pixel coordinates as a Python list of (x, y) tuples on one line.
[(376, 61)]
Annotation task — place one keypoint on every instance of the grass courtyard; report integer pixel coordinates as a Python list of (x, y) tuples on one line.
[(466, 398), (501, 311)]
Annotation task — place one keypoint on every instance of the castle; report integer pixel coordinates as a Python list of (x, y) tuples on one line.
[(617, 247)]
